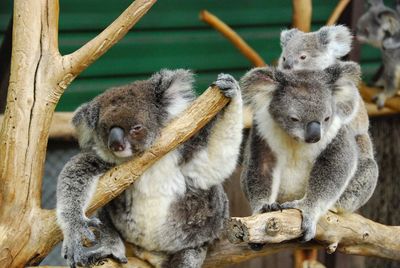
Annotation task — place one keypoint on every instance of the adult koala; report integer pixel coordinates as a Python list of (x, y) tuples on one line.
[(379, 26), (178, 206), (301, 153)]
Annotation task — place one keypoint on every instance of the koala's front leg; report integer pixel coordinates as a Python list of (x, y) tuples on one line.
[(329, 176), (187, 258), (391, 84), (216, 159), (76, 185)]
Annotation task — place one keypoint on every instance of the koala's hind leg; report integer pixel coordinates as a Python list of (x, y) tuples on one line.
[(362, 185), (109, 243), (187, 258)]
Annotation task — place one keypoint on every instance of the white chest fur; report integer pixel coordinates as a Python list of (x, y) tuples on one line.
[(149, 200), (294, 160)]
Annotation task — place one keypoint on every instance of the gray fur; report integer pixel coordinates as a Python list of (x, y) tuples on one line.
[(311, 177), (193, 216), (315, 50), (379, 26)]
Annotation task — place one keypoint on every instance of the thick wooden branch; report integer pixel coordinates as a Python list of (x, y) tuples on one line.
[(346, 233), (302, 13), (337, 12), (232, 36), (91, 51)]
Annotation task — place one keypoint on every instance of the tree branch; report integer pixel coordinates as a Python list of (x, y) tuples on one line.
[(302, 13), (91, 51), (232, 36), (337, 12), (368, 93), (346, 233)]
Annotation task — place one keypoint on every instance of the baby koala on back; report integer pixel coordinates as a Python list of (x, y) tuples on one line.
[(314, 50)]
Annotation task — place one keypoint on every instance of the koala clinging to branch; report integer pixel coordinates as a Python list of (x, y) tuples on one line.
[(380, 27), (301, 153), (178, 206)]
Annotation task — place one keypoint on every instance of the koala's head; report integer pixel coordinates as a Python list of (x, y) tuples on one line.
[(125, 121), (315, 50), (304, 104), (378, 23)]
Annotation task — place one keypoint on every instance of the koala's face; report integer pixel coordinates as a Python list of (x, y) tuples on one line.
[(315, 50), (120, 123), (308, 109), (303, 53), (376, 24)]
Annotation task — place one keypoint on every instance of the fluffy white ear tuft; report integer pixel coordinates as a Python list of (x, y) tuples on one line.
[(336, 38), (257, 86), (286, 35)]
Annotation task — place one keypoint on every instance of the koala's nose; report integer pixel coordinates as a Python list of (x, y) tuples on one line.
[(313, 132), (288, 64), (116, 139)]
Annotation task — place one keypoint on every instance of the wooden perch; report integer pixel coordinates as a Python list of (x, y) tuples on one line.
[(302, 13), (232, 36), (347, 233), (369, 92), (337, 12)]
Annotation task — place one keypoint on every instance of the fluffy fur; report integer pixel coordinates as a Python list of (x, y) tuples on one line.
[(379, 26), (282, 169), (178, 206)]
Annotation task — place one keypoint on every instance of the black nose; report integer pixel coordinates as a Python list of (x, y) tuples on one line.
[(287, 66), (116, 139), (313, 132)]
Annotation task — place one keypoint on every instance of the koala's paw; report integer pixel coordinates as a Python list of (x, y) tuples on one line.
[(270, 207), (73, 249), (379, 100), (97, 256), (308, 224), (228, 85)]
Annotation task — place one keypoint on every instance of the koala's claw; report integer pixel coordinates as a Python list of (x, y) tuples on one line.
[(379, 100), (227, 84), (308, 223), (256, 246), (271, 207), (98, 255)]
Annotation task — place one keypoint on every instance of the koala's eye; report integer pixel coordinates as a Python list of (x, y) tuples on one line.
[(294, 119), (284, 59), (137, 127), (327, 119), (303, 57)]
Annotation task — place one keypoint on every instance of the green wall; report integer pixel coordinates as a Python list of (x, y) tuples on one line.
[(172, 36)]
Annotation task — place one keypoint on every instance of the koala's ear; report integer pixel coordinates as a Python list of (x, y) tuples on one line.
[(389, 20), (336, 39), (286, 35), (257, 85), (85, 121), (174, 85), (345, 77), (390, 43)]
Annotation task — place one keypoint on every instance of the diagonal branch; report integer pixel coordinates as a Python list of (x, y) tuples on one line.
[(337, 12), (302, 13), (232, 36), (79, 60)]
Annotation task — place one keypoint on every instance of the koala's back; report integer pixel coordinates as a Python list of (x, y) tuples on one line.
[(160, 212)]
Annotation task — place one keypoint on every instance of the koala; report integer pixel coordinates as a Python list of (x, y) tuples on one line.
[(379, 26), (315, 50), (178, 206), (301, 152)]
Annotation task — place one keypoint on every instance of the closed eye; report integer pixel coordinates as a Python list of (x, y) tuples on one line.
[(294, 119), (303, 57)]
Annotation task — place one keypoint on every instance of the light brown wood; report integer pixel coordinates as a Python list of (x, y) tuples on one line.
[(302, 14), (39, 75), (337, 12), (346, 233), (232, 36)]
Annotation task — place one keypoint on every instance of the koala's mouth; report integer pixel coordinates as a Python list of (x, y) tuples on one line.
[(125, 152), (118, 144)]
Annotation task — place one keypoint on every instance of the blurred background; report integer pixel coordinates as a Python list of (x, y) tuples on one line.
[(172, 36)]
